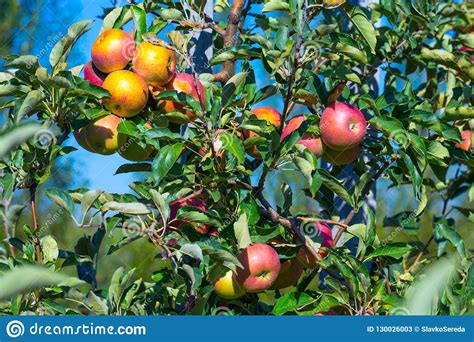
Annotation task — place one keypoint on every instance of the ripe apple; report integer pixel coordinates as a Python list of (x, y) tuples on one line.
[(113, 50), (129, 93), (342, 126), (129, 149), (155, 64), (101, 135), (94, 75), (341, 157), (196, 202), (79, 134), (268, 114), (184, 83), (306, 258), (227, 287), (261, 266), (465, 145), (290, 272), (311, 141)]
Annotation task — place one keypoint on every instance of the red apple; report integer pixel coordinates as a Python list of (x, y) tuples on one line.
[(466, 141), (341, 157), (342, 126), (306, 258), (268, 114), (290, 272), (261, 266), (196, 202), (311, 141), (94, 75), (184, 83)]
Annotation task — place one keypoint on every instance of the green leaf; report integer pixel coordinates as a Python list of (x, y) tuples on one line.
[(162, 133), (86, 88), (27, 278), (61, 198), (88, 199), (387, 124), (219, 255), (30, 104), (334, 185), (116, 18), (393, 250), (49, 248), (272, 6), (241, 231), (193, 250), (128, 128), (60, 51), (134, 167), (326, 303), (164, 161), (452, 236), (26, 63), (98, 305), (231, 86), (135, 208), (160, 204), (415, 175), (233, 145), (363, 25), (171, 14), (139, 18), (422, 296), (352, 52), (290, 302), (281, 38), (190, 215), (13, 137)]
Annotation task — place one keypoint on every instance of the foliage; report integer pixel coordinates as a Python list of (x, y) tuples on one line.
[(315, 56)]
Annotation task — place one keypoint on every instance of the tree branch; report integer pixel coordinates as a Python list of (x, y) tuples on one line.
[(35, 223), (364, 192), (271, 214), (230, 38)]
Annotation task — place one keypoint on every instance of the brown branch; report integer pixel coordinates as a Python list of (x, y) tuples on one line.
[(203, 26), (230, 38), (184, 199), (271, 214), (35, 223), (318, 220)]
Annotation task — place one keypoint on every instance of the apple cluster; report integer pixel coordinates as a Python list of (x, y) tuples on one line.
[(342, 130), (262, 269), (131, 72)]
